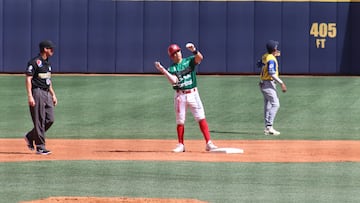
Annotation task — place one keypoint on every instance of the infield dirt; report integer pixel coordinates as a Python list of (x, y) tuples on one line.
[(14, 150)]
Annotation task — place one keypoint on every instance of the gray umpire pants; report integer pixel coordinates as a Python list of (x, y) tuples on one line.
[(42, 115), (271, 101)]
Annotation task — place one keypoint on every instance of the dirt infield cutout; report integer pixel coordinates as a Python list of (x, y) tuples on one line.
[(111, 200)]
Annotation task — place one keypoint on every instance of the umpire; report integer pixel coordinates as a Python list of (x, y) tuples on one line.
[(41, 97)]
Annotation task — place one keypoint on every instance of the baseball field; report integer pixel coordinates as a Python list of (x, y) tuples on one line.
[(113, 135)]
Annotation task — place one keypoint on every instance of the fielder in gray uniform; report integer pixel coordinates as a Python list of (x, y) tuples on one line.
[(269, 77), (41, 97)]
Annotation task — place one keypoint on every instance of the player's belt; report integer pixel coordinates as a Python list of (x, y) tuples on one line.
[(42, 88), (186, 91)]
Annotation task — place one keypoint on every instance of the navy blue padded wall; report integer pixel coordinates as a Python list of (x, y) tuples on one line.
[(343, 38), (185, 22), (184, 26), (267, 27), (101, 36), (213, 36), (322, 60), (129, 37), (45, 25), (73, 35), (16, 35), (157, 21), (240, 37), (295, 38), (354, 16), (1, 37)]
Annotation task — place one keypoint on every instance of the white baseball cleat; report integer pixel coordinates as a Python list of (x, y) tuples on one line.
[(271, 131), (179, 148), (210, 146)]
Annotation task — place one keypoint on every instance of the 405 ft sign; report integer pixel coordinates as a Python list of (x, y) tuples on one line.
[(321, 32)]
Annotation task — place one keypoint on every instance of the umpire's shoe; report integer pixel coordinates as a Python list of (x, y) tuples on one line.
[(42, 151), (29, 143)]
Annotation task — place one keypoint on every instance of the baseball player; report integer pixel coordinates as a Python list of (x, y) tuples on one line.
[(269, 77), (41, 97), (182, 75)]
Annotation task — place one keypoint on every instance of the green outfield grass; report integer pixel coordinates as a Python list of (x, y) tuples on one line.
[(212, 182), (142, 107), (314, 108)]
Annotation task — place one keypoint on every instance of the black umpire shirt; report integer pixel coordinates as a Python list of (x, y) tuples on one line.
[(40, 69)]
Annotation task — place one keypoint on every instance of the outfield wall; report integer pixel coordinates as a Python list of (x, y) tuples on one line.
[(115, 36)]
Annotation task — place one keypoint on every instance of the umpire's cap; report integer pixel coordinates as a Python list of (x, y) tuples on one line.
[(46, 44), (272, 45), (173, 48)]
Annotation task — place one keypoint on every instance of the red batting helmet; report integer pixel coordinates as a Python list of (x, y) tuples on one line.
[(173, 48)]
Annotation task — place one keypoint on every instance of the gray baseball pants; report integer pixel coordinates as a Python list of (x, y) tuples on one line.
[(42, 115), (271, 101)]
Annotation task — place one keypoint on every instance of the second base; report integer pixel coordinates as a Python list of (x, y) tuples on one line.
[(228, 150)]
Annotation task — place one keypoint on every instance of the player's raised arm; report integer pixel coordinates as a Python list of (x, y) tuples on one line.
[(198, 56), (171, 78)]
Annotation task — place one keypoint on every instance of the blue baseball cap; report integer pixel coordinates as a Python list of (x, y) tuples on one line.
[(272, 45)]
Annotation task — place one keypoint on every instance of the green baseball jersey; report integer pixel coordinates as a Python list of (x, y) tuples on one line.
[(185, 72)]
